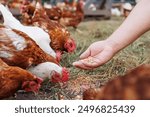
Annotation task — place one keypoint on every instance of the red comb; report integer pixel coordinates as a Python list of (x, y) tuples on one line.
[(63, 78), (70, 45), (32, 86)]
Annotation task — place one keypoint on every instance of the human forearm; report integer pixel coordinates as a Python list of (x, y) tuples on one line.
[(98, 53), (134, 26)]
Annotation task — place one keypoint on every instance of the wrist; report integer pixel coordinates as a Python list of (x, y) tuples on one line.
[(115, 45)]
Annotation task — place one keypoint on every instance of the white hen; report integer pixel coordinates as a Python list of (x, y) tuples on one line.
[(51, 71), (37, 34)]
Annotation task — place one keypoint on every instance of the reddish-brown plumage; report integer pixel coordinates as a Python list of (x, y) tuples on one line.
[(54, 13), (24, 58), (60, 37), (12, 78), (73, 18), (135, 85), (27, 11)]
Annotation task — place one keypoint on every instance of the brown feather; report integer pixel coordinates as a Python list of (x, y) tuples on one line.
[(30, 55), (135, 85), (58, 34), (11, 79), (73, 18)]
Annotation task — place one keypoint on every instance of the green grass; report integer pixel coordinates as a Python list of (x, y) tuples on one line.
[(132, 56)]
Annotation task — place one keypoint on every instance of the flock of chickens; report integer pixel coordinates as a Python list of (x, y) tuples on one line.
[(36, 51), (65, 14), (31, 52)]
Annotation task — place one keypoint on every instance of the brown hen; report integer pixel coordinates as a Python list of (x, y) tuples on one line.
[(54, 13), (15, 78), (73, 18), (60, 37), (17, 49), (27, 11), (135, 85)]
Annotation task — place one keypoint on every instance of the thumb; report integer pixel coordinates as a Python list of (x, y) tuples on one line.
[(86, 54)]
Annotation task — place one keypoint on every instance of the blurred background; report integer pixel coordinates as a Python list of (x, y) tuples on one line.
[(92, 8)]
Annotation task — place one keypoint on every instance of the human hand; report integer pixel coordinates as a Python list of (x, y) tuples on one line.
[(97, 54)]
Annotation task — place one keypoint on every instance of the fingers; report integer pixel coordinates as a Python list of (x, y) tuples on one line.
[(86, 54), (79, 64), (94, 62), (87, 64), (97, 60)]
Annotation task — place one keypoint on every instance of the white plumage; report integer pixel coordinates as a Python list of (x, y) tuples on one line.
[(45, 70), (37, 34)]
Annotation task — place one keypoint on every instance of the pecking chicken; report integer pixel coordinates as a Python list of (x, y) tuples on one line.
[(60, 37), (42, 70), (15, 78), (73, 18), (42, 18), (35, 33), (135, 85), (18, 49)]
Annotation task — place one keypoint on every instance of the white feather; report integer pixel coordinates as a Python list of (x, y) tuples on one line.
[(17, 41), (45, 70), (37, 34)]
